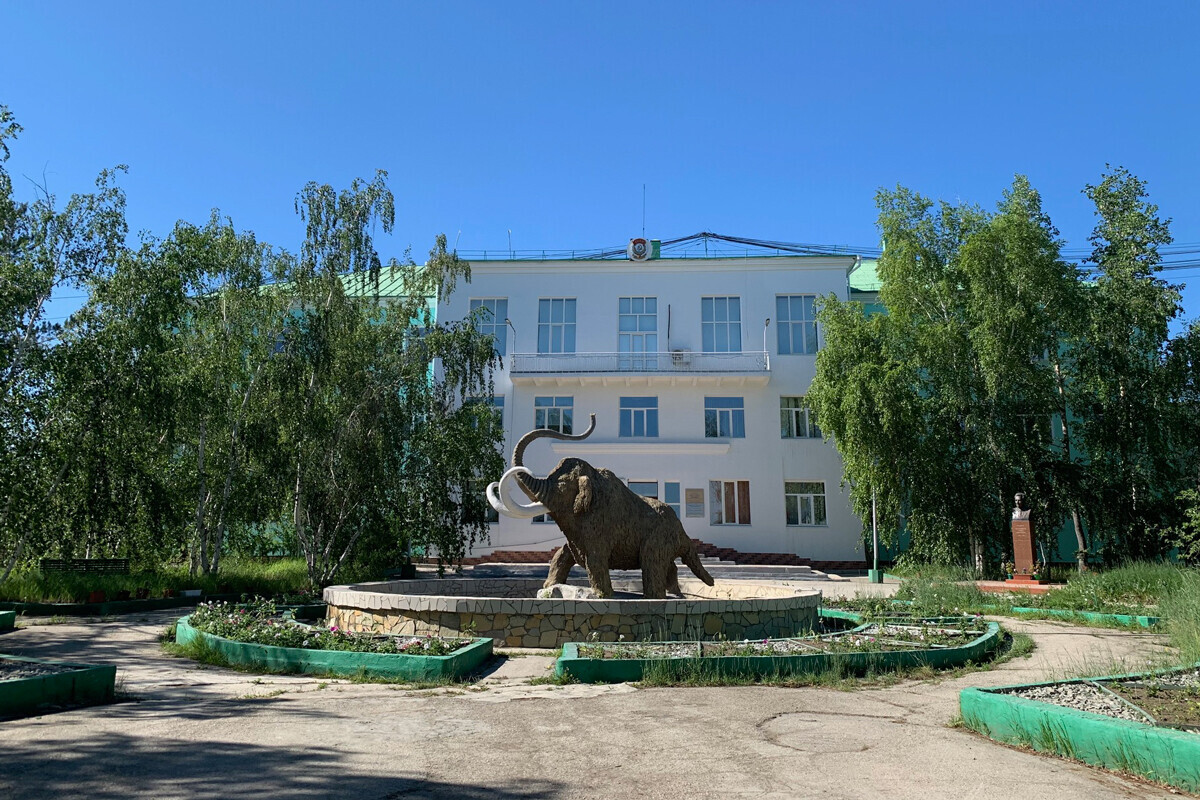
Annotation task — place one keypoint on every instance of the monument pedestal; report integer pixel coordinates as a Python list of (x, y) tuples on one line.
[(1025, 580)]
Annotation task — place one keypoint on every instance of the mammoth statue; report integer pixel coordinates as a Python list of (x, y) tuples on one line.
[(607, 525)]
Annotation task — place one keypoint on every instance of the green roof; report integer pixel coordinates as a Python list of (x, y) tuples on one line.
[(864, 277), (391, 283)]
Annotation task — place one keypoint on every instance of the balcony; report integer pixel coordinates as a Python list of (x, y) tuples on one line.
[(676, 368)]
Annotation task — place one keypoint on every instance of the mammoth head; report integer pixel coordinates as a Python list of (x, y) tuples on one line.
[(568, 489)]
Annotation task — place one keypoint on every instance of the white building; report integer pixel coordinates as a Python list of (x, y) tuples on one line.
[(694, 368)]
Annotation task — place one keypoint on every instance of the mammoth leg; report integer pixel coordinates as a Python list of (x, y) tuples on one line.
[(656, 573), (598, 577), (673, 580), (560, 567)]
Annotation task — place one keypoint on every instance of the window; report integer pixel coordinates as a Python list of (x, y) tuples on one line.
[(637, 337), (492, 320), (721, 324), (724, 417), (555, 413), (804, 502), (729, 502), (645, 488), (639, 417), (495, 402), (542, 519), (797, 323), (556, 325), (796, 421), (671, 497)]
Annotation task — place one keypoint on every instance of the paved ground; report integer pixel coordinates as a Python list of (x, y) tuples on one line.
[(211, 733)]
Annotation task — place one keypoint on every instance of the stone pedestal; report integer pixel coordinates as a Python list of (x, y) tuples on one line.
[(1023, 557)]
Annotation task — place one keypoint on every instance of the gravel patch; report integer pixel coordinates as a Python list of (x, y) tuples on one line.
[(1185, 679), (1081, 697), (16, 670)]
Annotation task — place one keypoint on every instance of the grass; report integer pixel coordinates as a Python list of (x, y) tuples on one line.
[(699, 672), (1182, 611), (1138, 588), (237, 576)]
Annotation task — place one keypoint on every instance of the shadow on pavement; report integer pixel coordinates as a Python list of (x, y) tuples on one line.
[(118, 766)]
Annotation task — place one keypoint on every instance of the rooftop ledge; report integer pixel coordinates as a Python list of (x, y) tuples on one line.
[(677, 368)]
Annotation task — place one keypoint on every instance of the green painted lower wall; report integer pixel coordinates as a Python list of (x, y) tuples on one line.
[(1160, 754), (88, 685), (342, 663)]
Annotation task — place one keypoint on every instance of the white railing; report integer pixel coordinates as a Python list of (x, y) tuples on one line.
[(675, 362)]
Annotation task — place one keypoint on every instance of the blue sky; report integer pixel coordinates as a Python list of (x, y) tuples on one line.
[(766, 120)]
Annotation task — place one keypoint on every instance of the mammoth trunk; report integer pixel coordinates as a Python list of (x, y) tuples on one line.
[(518, 459), (535, 487)]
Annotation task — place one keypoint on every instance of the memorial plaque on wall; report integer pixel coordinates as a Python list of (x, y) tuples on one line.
[(694, 502)]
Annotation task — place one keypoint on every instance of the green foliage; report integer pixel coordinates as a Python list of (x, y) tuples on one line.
[(214, 391), (276, 578), (1139, 426), (376, 444), (1187, 536), (1000, 368), (43, 248), (934, 406)]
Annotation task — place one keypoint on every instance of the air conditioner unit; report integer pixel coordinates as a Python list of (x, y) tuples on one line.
[(639, 249), (681, 358)]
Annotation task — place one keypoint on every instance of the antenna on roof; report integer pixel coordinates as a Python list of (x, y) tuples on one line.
[(643, 211), (510, 252), (456, 238)]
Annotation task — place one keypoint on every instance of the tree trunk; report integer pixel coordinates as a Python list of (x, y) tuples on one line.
[(200, 551)]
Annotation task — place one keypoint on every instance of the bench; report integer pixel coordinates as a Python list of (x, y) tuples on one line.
[(100, 566)]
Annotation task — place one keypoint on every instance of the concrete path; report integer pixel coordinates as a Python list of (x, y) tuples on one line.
[(212, 733)]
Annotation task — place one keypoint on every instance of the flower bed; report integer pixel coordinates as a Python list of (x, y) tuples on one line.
[(888, 644), (1147, 724), (254, 637), (260, 622), (31, 685), (886, 636)]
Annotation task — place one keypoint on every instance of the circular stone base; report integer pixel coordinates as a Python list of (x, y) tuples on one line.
[(507, 610)]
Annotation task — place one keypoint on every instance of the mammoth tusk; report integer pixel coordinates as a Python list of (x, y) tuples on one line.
[(494, 499), (499, 496)]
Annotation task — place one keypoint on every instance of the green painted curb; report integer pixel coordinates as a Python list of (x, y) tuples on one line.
[(90, 684), (8, 620), (342, 663), (609, 670), (1161, 754), (1063, 613), (1090, 616)]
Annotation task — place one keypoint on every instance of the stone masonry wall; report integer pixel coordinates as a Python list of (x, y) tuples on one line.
[(516, 620)]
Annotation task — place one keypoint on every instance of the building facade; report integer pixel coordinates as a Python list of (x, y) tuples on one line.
[(696, 371)]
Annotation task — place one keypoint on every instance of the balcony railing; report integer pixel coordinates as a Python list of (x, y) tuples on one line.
[(678, 362)]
